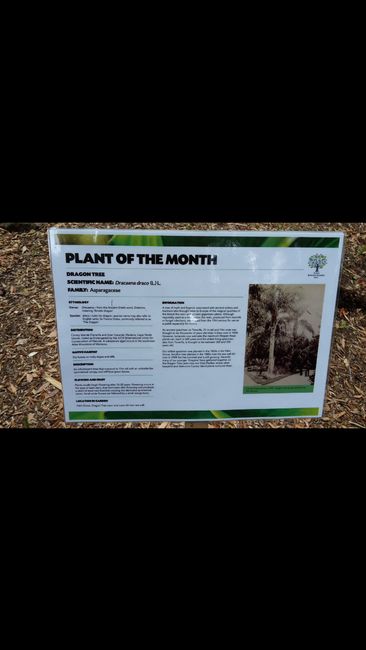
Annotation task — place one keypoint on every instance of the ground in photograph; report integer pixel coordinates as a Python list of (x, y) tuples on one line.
[(254, 379)]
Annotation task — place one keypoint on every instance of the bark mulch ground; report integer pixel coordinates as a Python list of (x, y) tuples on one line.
[(30, 388)]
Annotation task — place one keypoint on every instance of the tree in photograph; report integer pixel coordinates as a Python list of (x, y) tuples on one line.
[(279, 306), (317, 261), (271, 312), (256, 311), (313, 354), (283, 350), (303, 325), (257, 347), (257, 336)]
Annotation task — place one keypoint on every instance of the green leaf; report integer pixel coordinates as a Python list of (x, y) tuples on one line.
[(278, 241), (220, 414), (136, 240), (87, 239)]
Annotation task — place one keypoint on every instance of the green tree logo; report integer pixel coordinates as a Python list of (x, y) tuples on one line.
[(317, 261)]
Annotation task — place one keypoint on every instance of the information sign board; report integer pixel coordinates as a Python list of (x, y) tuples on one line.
[(194, 325)]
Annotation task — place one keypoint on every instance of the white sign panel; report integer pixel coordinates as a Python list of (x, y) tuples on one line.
[(191, 325)]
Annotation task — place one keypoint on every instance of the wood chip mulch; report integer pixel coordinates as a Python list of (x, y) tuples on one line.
[(30, 388)]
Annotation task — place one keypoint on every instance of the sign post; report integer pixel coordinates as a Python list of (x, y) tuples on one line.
[(194, 326)]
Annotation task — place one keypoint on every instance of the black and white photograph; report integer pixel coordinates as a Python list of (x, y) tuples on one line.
[(283, 329)]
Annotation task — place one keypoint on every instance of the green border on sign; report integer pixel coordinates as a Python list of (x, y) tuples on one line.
[(193, 415), (278, 389), (221, 241)]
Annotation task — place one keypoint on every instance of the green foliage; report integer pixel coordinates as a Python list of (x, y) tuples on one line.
[(86, 239), (136, 240)]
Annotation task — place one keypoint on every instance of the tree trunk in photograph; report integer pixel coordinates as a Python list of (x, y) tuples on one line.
[(272, 338)]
